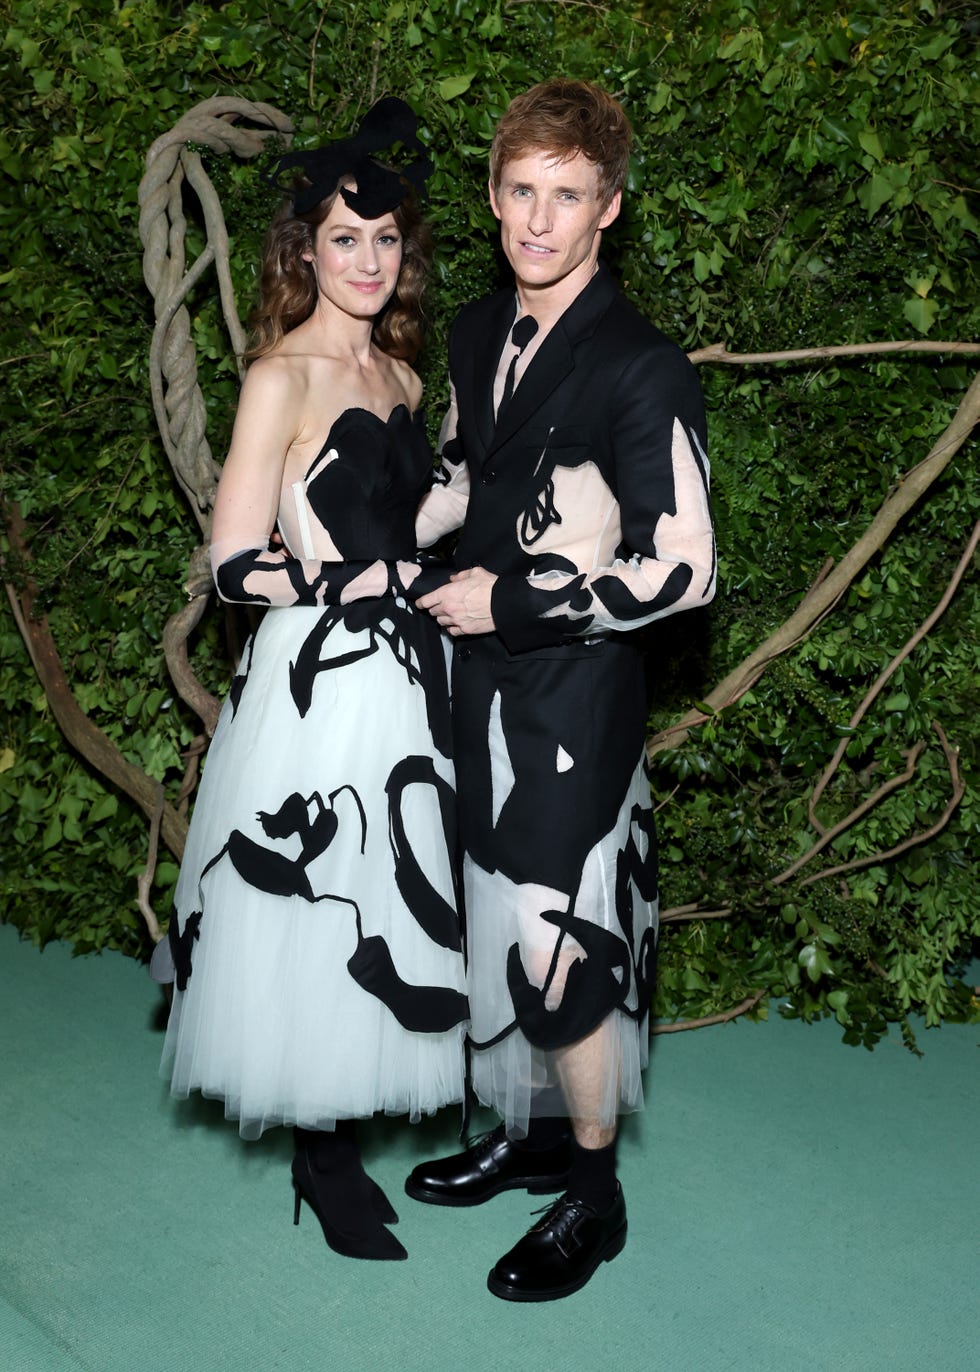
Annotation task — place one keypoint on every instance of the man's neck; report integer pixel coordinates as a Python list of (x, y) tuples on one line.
[(548, 303)]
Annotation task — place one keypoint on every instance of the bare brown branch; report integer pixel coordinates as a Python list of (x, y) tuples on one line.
[(718, 352), (878, 685), (958, 792), (21, 622), (193, 757), (859, 811), (311, 80), (82, 734), (690, 913), (176, 632), (828, 591), (679, 1026), (144, 882)]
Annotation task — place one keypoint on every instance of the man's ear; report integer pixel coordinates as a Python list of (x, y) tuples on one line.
[(611, 211), (493, 199)]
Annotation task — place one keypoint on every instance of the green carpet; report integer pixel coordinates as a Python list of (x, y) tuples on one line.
[(794, 1204)]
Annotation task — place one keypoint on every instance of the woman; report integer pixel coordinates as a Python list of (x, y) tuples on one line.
[(315, 939)]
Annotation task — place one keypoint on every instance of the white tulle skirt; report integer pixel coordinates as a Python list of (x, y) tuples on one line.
[(599, 1075), (324, 982)]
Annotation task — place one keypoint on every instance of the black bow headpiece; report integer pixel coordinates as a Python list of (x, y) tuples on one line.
[(379, 188)]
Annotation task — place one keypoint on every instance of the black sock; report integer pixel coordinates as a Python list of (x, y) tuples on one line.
[(593, 1175)]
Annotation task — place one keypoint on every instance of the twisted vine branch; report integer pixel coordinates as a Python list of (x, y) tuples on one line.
[(177, 399)]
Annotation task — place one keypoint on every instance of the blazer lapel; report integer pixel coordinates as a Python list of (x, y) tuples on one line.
[(552, 362), (485, 349)]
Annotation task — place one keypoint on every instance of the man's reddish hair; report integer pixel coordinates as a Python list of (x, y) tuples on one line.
[(566, 117)]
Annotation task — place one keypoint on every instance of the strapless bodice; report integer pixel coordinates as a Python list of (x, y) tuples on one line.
[(359, 496)]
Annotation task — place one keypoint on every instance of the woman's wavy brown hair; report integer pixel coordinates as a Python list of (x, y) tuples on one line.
[(287, 285)]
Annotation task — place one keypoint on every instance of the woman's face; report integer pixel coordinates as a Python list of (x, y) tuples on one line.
[(356, 261)]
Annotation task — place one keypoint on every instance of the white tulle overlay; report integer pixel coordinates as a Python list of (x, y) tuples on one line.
[(510, 1074), (271, 1020)]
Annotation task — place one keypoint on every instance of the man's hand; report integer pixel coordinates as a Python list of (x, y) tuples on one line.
[(463, 605)]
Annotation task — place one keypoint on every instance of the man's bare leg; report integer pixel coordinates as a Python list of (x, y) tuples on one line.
[(589, 1074), (583, 1070)]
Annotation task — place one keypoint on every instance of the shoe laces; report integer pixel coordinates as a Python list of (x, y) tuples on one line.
[(481, 1144), (562, 1216)]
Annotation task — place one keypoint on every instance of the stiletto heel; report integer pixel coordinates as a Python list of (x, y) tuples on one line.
[(345, 1204), (329, 1151), (382, 1206)]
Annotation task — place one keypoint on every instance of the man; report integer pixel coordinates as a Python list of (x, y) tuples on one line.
[(577, 452)]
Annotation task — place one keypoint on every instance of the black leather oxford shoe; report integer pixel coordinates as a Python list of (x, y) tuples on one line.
[(491, 1164), (559, 1254)]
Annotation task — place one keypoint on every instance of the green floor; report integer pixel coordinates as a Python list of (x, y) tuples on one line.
[(793, 1204)]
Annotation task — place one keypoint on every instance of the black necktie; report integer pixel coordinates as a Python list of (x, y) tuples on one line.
[(521, 335)]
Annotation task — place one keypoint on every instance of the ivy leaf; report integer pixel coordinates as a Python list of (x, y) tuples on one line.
[(920, 313), (52, 834), (814, 961), (453, 86), (104, 808), (871, 143), (734, 45), (878, 192)]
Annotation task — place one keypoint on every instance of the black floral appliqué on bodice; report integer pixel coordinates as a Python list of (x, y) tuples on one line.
[(367, 496)]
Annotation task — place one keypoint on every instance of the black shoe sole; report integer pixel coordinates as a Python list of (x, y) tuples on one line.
[(535, 1186), (616, 1244)]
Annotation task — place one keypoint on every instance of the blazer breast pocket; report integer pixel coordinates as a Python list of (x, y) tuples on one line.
[(560, 445)]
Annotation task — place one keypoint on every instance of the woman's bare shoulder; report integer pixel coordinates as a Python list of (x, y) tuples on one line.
[(277, 373), (407, 381)]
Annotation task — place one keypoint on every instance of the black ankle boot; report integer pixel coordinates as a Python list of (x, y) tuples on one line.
[(328, 1175), (327, 1148)]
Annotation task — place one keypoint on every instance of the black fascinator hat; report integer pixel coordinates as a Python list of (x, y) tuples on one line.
[(379, 188)]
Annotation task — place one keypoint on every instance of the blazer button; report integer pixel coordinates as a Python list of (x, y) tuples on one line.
[(489, 477), (463, 653)]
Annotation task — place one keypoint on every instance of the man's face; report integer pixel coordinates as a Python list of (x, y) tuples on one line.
[(550, 217)]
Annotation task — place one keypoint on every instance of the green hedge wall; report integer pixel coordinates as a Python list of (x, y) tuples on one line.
[(801, 178)]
